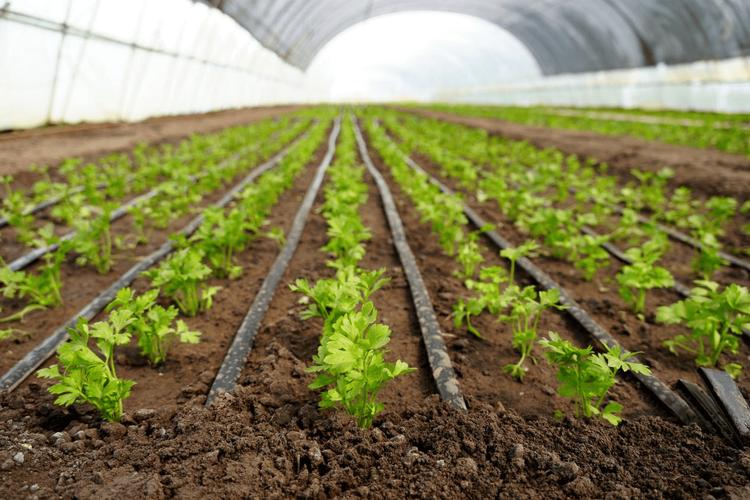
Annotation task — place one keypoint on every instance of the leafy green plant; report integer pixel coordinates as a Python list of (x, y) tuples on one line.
[(12, 333), (526, 311), (715, 318), (93, 241), (41, 290), (513, 254), (276, 234), (643, 274), (350, 362), (15, 209), (588, 255), (586, 377), (153, 326), (89, 376), (487, 296), (345, 237), (221, 236), (469, 256), (181, 276)]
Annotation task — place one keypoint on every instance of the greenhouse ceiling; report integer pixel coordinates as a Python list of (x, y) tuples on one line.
[(564, 36)]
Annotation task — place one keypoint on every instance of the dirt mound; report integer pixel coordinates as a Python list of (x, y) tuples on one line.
[(271, 440)]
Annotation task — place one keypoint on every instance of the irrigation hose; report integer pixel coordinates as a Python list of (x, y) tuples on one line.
[(437, 353), (234, 361)]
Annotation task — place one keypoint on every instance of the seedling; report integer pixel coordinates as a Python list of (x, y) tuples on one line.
[(487, 297), (526, 311), (153, 325), (468, 256), (181, 278), (586, 377), (15, 209), (715, 318), (89, 376), (93, 241), (514, 254), (221, 236), (643, 274), (12, 333), (350, 361), (41, 290)]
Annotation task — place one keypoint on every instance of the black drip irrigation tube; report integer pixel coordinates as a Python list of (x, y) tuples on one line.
[(659, 389), (34, 255), (683, 238), (679, 287), (236, 357), (437, 353), (51, 202), (36, 357)]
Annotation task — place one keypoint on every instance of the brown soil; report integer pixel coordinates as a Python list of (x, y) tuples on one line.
[(271, 444), (706, 171), (50, 145)]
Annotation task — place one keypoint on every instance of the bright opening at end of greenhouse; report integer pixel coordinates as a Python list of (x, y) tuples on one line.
[(419, 56)]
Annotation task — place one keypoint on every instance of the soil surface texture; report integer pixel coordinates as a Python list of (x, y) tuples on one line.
[(278, 444)]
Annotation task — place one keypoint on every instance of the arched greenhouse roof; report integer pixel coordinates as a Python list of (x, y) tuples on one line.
[(564, 36)]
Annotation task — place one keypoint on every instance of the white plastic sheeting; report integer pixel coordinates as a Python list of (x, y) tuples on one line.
[(99, 60), (722, 86)]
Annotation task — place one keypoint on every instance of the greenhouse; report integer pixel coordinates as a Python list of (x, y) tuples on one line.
[(375, 249)]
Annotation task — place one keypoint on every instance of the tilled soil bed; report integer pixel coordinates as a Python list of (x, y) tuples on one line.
[(261, 443), (269, 439)]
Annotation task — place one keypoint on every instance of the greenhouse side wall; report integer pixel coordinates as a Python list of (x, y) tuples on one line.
[(722, 86), (105, 60)]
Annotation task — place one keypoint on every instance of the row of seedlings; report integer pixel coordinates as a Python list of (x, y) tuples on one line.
[(495, 290), (81, 189), (718, 131), (716, 316), (178, 286), (350, 363)]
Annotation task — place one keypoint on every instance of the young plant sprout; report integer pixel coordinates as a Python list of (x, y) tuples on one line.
[(643, 274), (85, 375), (715, 318), (181, 277), (586, 377)]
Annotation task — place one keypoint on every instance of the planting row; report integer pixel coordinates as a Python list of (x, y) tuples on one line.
[(718, 132)]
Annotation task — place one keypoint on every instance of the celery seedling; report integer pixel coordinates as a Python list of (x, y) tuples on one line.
[(643, 274), (586, 377), (180, 277), (716, 319), (526, 311), (89, 376)]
